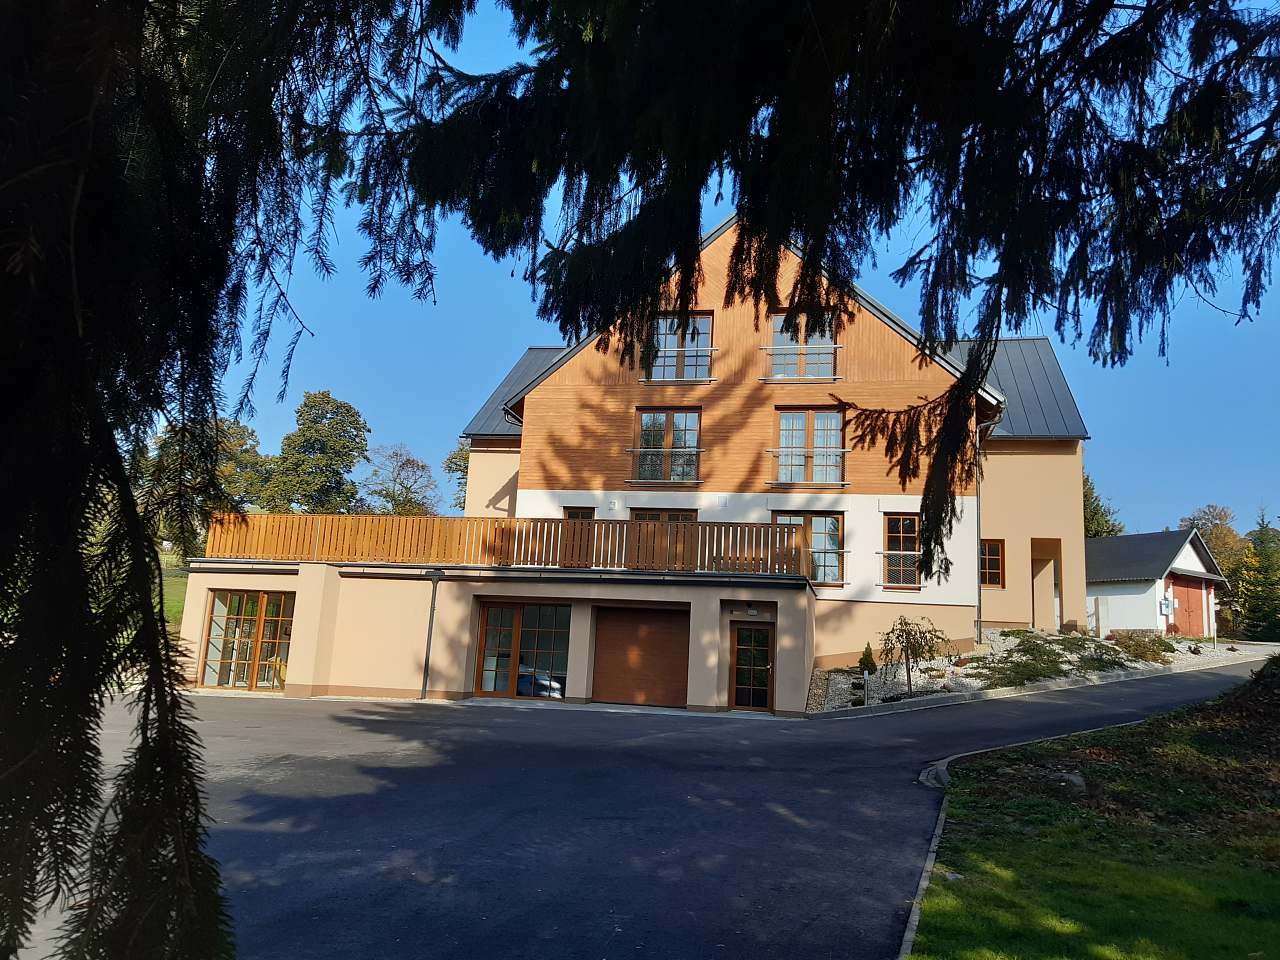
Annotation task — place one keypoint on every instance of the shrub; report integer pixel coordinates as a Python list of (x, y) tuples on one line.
[(1031, 659), (1146, 645), (867, 664), (909, 641)]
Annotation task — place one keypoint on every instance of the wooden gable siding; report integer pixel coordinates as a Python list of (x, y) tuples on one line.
[(580, 421)]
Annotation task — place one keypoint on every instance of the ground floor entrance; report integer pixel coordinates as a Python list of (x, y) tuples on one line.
[(524, 650), (752, 666)]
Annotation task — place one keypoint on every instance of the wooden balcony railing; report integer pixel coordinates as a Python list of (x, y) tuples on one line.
[(763, 548)]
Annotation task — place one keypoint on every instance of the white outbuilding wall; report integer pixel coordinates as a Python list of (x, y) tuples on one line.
[(1128, 605)]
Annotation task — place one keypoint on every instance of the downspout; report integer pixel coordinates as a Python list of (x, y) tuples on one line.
[(436, 576), (977, 623)]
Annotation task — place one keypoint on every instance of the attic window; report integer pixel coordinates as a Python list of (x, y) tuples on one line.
[(802, 356), (682, 356)]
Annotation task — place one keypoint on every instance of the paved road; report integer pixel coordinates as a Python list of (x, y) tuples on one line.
[(478, 831)]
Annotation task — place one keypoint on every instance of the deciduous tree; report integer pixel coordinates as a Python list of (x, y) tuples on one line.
[(400, 483), (313, 471), (456, 466)]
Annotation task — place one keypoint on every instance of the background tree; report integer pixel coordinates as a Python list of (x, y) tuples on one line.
[(1100, 518), (313, 471), (400, 483), (1260, 590), (456, 466), (243, 470), (1084, 157)]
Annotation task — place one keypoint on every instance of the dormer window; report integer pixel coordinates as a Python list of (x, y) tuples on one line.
[(682, 356), (804, 356)]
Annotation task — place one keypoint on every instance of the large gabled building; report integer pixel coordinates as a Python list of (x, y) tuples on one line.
[(698, 533)]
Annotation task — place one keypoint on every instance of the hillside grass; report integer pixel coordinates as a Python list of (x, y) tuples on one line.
[(1159, 841)]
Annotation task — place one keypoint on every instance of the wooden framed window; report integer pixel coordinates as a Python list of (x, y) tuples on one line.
[(682, 356), (902, 551), (991, 563), (579, 513), (665, 516), (826, 542), (810, 447), (666, 449), (803, 356), (524, 650), (247, 639)]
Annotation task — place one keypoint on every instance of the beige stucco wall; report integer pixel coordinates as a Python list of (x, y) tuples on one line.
[(844, 628), (1034, 490), (358, 632), (491, 482)]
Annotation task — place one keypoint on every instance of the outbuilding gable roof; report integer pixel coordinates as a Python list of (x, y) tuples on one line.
[(1144, 556)]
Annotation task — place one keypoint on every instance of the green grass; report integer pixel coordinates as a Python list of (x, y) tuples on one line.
[(1171, 851), (175, 594)]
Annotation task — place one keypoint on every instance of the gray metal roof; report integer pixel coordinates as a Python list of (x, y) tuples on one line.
[(1144, 556), (1038, 401), (490, 421)]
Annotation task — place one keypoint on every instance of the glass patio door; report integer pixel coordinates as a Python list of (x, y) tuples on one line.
[(247, 639)]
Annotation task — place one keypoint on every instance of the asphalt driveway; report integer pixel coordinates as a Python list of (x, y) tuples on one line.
[(407, 830)]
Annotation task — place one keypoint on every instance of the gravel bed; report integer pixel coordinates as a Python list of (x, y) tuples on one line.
[(956, 674)]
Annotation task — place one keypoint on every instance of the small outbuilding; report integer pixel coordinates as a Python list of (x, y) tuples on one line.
[(1152, 581)]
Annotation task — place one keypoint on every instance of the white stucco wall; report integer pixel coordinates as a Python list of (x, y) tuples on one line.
[(863, 531), (1131, 605), (1188, 559)]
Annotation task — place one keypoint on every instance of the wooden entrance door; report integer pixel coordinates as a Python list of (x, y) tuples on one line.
[(1188, 611), (752, 666)]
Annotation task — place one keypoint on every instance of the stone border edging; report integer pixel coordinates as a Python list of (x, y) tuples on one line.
[(913, 918), (998, 693), (938, 773)]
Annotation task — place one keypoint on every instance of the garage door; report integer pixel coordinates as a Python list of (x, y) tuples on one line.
[(642, 656)]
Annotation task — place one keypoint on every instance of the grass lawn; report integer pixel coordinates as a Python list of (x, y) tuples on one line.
[(175, 593), (1150, 842)]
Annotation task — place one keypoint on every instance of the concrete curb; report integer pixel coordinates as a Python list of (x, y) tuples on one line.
[(913, 919), (999, 693), (937, 774)]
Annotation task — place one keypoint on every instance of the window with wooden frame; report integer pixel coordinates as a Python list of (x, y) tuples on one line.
[(902, 551), (247, 639), (805, 355), (666, 449), (991, 563), (826, 542), (810, 447), (665, 516), (682, 356), (579, 513), (524, 650)]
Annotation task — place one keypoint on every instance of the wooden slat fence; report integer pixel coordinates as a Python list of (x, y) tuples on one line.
[(525, 541)]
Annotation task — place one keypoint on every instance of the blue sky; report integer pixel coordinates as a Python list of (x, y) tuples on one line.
[(1168, 434)]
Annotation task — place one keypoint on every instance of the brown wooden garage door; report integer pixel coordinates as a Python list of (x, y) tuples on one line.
[(642, 656)]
